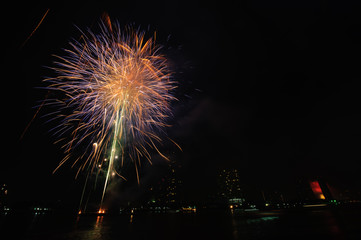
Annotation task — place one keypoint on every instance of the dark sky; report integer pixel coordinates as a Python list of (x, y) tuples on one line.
[(269, 88)]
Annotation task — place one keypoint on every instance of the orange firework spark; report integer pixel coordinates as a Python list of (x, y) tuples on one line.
[(117, 93), (36, 28)]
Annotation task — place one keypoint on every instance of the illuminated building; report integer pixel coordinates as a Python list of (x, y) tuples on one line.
[(167, 191), (173, 187), (316, 189), (321, 190), (229, 187)]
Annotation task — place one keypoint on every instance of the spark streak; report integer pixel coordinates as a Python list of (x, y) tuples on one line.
[(36, 28)]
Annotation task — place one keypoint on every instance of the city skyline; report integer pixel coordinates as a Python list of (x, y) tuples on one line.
[(166, 193)]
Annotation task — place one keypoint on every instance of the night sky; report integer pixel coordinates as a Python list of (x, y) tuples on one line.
[(268, 87)]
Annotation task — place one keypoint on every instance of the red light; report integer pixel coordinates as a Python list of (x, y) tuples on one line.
[(316, 188)]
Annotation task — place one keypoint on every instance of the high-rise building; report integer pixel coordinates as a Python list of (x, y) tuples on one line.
[(229, 186), (167, 191), (173, 185)]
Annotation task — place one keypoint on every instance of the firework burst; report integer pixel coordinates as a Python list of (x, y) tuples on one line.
[(116, 93)]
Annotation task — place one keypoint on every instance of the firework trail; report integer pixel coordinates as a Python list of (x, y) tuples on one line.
[(116, 92), (36, 28)]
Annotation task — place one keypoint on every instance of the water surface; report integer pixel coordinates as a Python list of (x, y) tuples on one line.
[(236, 225)]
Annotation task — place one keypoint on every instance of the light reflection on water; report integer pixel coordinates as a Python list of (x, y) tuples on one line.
[(252, 226), (216, 225)]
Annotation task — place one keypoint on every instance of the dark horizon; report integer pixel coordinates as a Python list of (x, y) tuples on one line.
[(269, 89)]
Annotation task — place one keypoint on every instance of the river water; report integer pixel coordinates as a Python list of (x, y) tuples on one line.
[(325, 223)]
